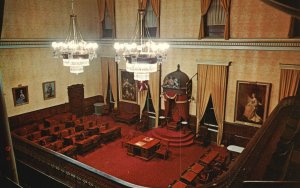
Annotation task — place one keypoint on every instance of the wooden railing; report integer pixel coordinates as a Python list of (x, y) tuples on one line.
[(62, 168), (253, 162)]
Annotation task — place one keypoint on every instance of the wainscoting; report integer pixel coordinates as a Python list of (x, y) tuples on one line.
[(39, 115), (237, 134)]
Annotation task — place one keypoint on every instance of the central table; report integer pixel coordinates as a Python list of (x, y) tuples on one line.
[(143, 147)]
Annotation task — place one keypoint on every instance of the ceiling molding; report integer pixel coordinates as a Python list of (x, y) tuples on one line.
[(232, 44)]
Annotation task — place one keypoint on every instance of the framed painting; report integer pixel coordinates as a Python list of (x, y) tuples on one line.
[(252, 102), (20, 95), (128, 89), (49, 90)]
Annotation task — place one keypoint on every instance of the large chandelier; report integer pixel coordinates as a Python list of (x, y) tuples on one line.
[(75, 52), (141, 55)]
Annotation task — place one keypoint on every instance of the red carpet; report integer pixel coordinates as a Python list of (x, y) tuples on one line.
[(113, 159)]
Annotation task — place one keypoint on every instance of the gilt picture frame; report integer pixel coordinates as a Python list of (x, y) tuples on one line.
[(49, 90), (252, 102), (128, 88), (20, 95)]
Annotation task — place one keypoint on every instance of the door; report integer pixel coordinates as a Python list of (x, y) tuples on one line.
[(76, 99)]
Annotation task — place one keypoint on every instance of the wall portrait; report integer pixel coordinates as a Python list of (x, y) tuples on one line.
[(20, 95), (49, 90), (252, 102), (128, 89)]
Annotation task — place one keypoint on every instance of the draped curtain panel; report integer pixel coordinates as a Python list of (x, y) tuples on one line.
[(216, 14), (167, 96), (113, 79), (104, 71), (111, 11), (156, 9), (154, 85), (144, 4), (289, 81), (218, 94), (167, 106), (203, 93), (183, 106), (142, 97), (101, 8), (1, 15), (226, 6), (291, 30), (204, 8), (212, 81)]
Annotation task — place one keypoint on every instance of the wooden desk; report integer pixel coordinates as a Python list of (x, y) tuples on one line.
[(197, 168), (143, 147), (188, 176), (179, 184), (209, 157)]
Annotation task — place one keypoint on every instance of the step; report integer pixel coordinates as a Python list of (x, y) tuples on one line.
[(170, 133), (173, 139), (182, 144)]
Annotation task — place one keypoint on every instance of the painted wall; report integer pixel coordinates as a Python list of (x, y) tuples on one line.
[(247, 65), (31, 67), (181, 19), (249, 20), (255, 19), (47, 19)]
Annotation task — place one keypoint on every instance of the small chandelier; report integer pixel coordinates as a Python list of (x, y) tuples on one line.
[(75, 52), (142, 57)]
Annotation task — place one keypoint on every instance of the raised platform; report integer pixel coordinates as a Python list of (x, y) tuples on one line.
[(176, 138)]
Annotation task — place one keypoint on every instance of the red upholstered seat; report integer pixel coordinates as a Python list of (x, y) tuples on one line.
[(127, 113)]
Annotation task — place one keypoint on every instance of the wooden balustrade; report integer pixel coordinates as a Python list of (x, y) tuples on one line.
[(253, 163), (67, 170)]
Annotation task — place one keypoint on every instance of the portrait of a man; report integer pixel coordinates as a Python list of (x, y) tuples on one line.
[(20, 95), (252, 100), (49, 90)]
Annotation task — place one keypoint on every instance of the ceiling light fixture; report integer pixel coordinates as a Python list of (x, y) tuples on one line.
[(142, 57), (75, 52)]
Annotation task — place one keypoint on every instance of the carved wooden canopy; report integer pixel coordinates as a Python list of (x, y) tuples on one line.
[(177, 82)]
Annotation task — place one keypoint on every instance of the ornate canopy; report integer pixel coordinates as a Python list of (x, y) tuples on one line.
[(177, 82)]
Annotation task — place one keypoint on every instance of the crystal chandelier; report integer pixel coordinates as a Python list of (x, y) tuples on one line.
[(143, 56), (75, 52)]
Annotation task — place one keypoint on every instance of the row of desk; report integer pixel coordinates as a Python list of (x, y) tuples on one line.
[(189, 176)]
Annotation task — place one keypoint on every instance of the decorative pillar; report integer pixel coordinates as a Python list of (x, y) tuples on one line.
[(7, 157)]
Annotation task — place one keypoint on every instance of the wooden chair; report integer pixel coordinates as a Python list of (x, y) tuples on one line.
[(126, 138), (163, 150), (105, 110), (143, 123)]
